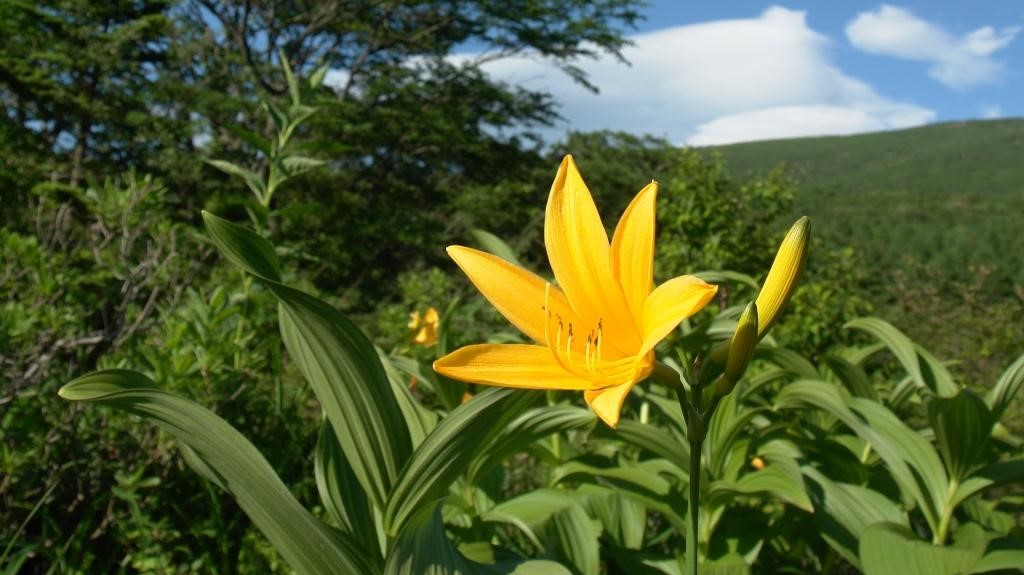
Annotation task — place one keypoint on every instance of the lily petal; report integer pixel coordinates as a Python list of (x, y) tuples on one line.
[(632, 253), (515, 292), (671, 303), (508, 365), (607, 402), (578, 250)]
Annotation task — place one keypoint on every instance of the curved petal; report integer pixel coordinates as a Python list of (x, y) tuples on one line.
[(508, 365), (632, 255), (607, 402), (671, 303), (578, 250), (516, 293)]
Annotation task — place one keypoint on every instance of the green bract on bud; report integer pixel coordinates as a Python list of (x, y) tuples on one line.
[(741, 350), (784, 274)]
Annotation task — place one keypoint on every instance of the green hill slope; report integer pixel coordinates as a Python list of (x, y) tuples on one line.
[(945, 201), (985, 157)]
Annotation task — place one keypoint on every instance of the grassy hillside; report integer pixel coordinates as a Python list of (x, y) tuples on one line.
[(937, 215), (941, 198), (977, 157)]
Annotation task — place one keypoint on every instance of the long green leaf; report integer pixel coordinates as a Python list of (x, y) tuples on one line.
[(852, 377), (491, 243), (651, 438), (843, 511), (340, 492), (309, 546), (1000, 396), (909, 457), (422, 548), (251, 179), (524, 430), (889, 549), (962, 425), (448, 450), (992, 475), (771, 481), (577, 536), (338, 361), (933, 376)]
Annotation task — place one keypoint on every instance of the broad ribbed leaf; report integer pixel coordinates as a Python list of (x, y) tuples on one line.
[(624, 519), (932, 375), (244, 247), (448, 450), (340, 492), (577, 539), (422, 548), (771, 481), (909, 457), (529, 511), (308, 545), (992, 475), (889, 549), (650, 438), (643, 482), (251, 179), (787, 359), (842, 511), (852, 376), (962, 424), (526, 429), (721, 277), (492, 244), (727, 424), (339, 363), (1000, 396), (418, 417), (1003, 554)]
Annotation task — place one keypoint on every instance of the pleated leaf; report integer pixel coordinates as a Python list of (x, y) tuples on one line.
[(577, 539), (962, 425), (1000, 396), (448, 450), (890, 549), (338, 361), (340, 492), (422, 548), (925, 370), (308, 545), (842, 511), (491, 243), (526, 429), (909, 457)]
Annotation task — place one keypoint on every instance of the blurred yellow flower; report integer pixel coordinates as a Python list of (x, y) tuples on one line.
[(596, 331), (427, 334)]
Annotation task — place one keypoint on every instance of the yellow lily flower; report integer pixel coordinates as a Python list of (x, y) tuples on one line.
[(596, 331), (427, 334)]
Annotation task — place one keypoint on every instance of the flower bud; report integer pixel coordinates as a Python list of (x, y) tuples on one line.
[(741, 350), (783, 275)]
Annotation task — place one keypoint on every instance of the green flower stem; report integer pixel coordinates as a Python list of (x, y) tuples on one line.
[(943, 531), (692, 526), (697, 418)]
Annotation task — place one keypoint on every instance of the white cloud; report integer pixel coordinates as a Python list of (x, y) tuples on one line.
[(726, 80), (958, 62), (800, 121), (991, 111)]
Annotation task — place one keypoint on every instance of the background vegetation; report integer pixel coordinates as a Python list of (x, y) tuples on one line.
[(114, 110)]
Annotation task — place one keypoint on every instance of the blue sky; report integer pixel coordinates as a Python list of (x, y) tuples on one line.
[(727, 71)]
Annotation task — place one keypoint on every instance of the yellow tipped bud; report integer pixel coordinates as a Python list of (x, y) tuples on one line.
[(741, 350), (757, 463), (784, 274)]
